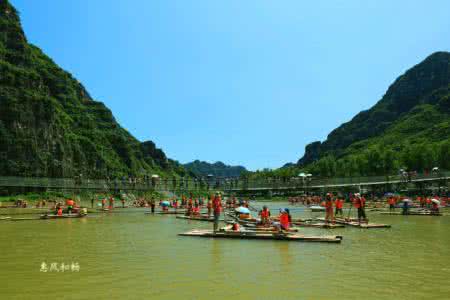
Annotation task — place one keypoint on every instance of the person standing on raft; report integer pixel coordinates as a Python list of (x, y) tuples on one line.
[(391, 202), (360, 204), (329, 218), (111, 202), (217, 208), (339, 204), (152, 205)]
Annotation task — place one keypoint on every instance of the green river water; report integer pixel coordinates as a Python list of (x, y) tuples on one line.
[(130, 255)]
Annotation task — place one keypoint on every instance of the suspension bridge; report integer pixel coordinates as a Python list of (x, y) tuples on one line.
[(229, 185)]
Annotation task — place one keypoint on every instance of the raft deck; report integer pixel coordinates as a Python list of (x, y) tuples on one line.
[(198, 218), (64, 216), (318, 225), (412, 213), (48, 217), (360, 225), (261, 236), (171, 212)]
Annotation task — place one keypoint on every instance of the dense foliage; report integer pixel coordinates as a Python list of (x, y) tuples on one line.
[(409, 128), (218, 169), (50, 125)]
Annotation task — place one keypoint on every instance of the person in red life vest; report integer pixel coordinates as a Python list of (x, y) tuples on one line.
[(329, 208), (391, 202), (217, 208), (103, 203), (111, 202), (360, 204), (70, 204), (428, 202), (339, 206), (285, 219), (59, 213), (265, 215)]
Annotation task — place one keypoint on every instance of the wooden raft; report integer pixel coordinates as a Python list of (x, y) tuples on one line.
[(197, 218), (360, 225), (170, 212), (261, 236), (48, 217), (64, 216), (318, 225), (412, 213)]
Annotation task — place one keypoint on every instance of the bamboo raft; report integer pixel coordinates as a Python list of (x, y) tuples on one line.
[(257, 228), (355, 223), (197, 218), (413, 213), (268, 229), (318, 225), (171, 212), (64, 216), (261, 236), (50, 217)]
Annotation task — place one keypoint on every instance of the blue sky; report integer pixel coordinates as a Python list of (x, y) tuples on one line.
[(245, 82)]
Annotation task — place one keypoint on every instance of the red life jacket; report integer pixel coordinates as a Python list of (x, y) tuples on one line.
[(284, 220), (217, 205)]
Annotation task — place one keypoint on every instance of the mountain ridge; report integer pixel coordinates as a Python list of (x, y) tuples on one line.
[(423, 84), (51, 126), (218, 169)]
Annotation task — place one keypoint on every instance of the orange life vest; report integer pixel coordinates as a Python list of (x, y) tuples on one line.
[(284, 220)]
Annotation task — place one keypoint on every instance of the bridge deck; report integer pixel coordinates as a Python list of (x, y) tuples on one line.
[(223, 184)]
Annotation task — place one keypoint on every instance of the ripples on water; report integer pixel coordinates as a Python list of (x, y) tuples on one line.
[(136, 256)]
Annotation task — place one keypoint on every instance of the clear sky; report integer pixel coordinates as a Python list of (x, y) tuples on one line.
[(245, 82)]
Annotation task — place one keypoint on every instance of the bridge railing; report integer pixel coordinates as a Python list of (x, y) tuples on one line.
[(224, 184)]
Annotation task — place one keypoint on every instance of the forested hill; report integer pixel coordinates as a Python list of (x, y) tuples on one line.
[(202, 168), (50, 125), (409, 127)]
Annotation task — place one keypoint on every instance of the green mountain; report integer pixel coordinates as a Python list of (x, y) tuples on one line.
[(50, 125), (408, 128), (219, 169)]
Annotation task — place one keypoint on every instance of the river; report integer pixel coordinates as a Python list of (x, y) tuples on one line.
[(130, 255)]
